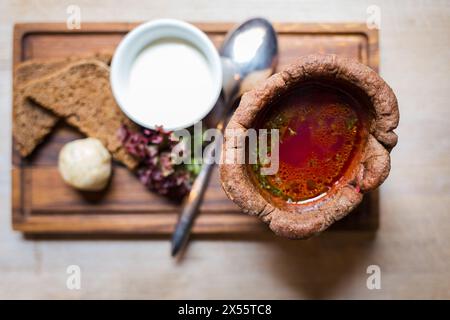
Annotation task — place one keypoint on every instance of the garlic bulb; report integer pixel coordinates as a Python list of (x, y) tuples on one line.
[(85, 164)]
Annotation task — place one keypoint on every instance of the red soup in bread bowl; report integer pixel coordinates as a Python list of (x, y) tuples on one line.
[(335, 121)]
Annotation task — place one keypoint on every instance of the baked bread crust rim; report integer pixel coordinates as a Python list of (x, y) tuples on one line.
[(369, 170)]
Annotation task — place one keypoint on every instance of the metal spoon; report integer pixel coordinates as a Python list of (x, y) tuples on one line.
[(249, 55)]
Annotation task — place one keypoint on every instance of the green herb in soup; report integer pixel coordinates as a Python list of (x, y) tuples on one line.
[(320, 127)]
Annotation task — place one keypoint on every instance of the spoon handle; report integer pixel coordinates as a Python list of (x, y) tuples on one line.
[(192, 205)]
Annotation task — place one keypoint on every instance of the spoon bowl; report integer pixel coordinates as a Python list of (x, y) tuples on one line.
[(249, 55)]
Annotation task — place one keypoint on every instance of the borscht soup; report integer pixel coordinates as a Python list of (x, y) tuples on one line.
[(320, 130)]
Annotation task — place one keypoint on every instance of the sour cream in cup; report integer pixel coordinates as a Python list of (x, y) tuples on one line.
[(166, 73)]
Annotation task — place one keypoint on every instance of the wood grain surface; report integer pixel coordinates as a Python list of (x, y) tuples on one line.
[(43, 203), (411, 246)]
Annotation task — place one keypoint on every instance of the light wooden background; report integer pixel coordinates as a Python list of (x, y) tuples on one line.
[(412, 246)]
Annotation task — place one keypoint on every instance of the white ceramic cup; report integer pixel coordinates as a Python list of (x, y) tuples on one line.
[(142, 36)]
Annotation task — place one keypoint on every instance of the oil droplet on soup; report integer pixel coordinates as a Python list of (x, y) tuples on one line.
[(320, 128)]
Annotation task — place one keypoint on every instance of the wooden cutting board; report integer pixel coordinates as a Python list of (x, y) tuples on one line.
[(43, 204)]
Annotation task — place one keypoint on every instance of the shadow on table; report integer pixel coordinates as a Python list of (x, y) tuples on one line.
[(317, 267), (314, 268)]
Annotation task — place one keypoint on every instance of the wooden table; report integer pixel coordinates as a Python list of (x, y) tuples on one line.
[(412, 246)]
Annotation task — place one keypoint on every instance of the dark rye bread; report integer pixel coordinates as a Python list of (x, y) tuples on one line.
[(81, 94), (32, 123)]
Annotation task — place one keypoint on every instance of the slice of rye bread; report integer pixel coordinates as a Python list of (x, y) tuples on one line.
[(81, 94), (32, 123)]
